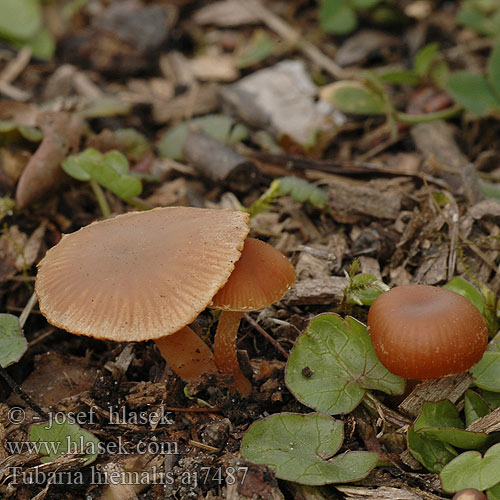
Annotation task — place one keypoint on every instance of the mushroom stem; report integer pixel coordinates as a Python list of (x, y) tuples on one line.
[(186, 354), (225, 354)]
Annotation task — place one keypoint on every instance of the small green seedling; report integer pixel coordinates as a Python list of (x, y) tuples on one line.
[(220, 127), (299, 189), (427, 66), (333, 364), (363, 288), (21, 25), (110, 170), (301, 448), (13, 344), (55, 438), (477, 93)]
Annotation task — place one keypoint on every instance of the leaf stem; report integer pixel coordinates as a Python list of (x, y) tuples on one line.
[(444, 114), (101, 198)]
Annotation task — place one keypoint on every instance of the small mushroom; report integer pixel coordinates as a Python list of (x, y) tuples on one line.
[(469, 494), (423, 332), (142, 276), (261, 276)]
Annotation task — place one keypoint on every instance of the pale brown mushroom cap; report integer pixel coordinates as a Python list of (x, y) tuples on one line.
[(261, 276), (140, 275)]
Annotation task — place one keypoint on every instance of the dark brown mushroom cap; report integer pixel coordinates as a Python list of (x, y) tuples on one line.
[(261, 276), (424, 332), (140, 275)]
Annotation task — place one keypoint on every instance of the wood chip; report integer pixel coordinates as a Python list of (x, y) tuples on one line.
[(316, 291)]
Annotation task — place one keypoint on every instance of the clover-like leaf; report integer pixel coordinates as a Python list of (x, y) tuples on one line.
[(470, 470), (333, 364), (12, 341), (486, 373), (441, 421), (494, 69), (300, 448), (109, 170), (354, 97), (431, 453), (55, 438)]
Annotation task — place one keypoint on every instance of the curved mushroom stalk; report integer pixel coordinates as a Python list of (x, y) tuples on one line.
[(186, 354), (225, 353)]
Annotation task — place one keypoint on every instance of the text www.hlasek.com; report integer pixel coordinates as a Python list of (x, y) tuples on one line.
[(80, 446)]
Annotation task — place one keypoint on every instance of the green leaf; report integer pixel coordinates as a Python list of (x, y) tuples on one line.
[(483, 17), (470, 470), (302, 191), (220, 127), (424, 59), (109, 170), (491, 398), (58, 438), (440, 72), (42, 45), (20, 19), (493, 493), (351, 96), (12, 133), (333, 363), (12, 342), (337, 17), (299, 448), (472, 92), (470, 292), (364, 4), (400, 76), (363, 289), (494, 70), (259, 47), (441, 421), (431, 453), (136, 143), (486, 374), (475, 407)]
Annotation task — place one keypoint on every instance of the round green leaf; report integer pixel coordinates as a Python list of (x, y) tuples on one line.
[(333, 363), (337, 17), (353, 97), (470, 292), (299, 448), (470, 470), (55, 438), (20, 19), (472, 92), (12, 342), (486, 373)]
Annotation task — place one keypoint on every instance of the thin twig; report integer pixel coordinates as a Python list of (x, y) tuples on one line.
[(27, 310), (13, 385), (266, 335), (293, 37)]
